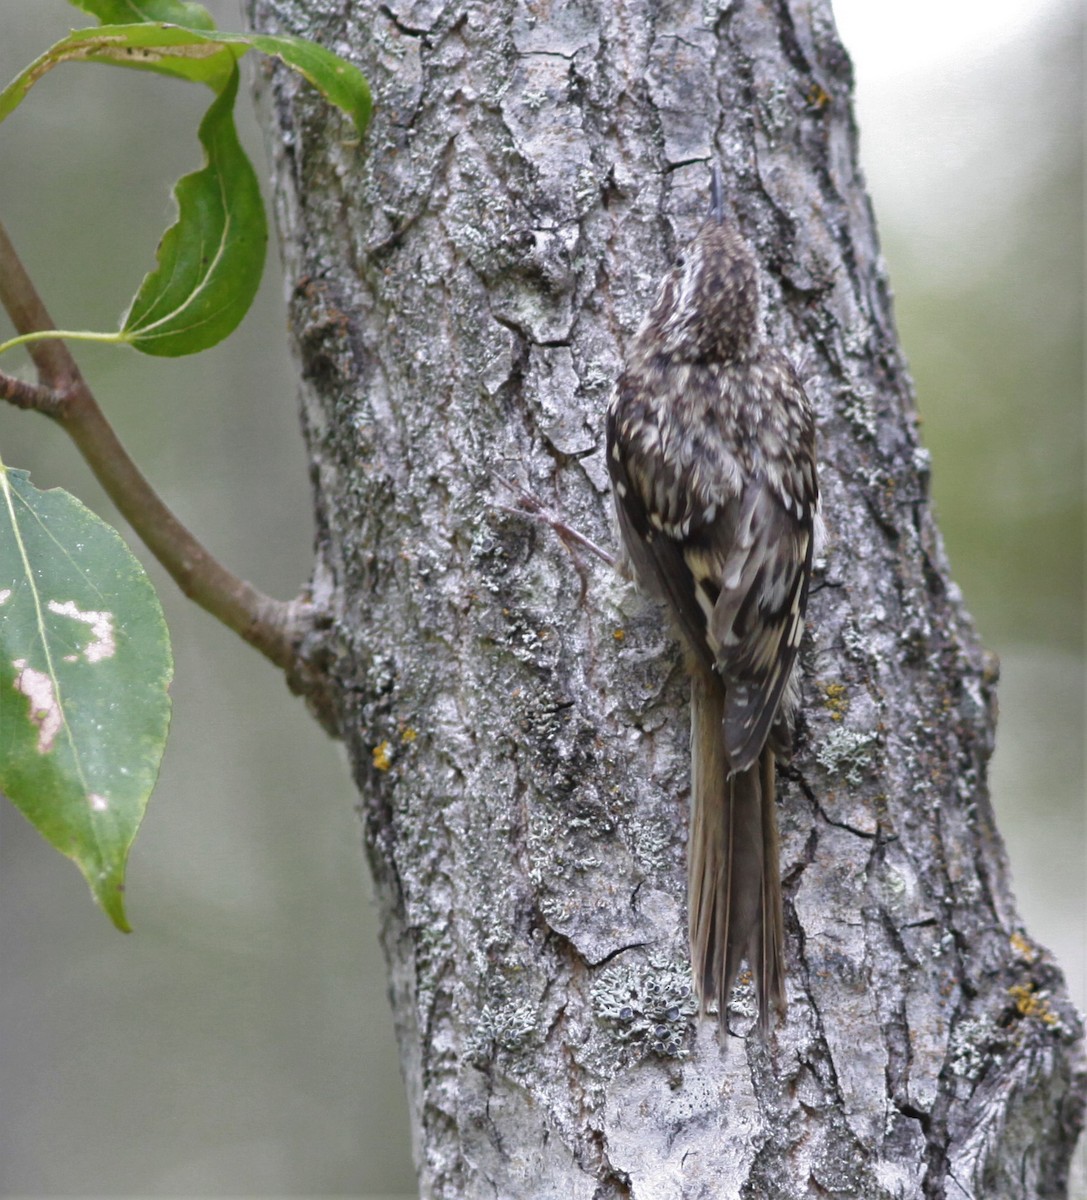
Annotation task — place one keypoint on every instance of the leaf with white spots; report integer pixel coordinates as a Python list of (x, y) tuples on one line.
[(84, 669)]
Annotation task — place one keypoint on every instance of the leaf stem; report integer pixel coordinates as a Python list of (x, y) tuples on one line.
[(274, 627), (73, 335)]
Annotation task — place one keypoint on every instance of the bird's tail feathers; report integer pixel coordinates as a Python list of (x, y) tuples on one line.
[(734, 884)]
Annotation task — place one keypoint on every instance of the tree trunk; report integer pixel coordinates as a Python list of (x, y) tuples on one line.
[(463, 286)]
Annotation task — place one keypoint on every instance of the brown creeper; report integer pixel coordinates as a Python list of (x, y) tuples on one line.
[(711, 452)]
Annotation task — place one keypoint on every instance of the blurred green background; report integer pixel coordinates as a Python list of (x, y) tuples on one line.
[(239, 1042)]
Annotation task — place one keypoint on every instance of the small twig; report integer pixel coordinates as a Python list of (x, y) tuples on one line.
[(274, 627), (29, 395), (531, 506)]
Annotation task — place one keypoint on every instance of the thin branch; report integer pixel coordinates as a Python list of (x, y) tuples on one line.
[(274, 627), (29, 395), (531, 506)]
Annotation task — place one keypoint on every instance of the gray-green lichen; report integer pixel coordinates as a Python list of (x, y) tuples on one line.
[(972, 1046), (847, 752), (647, 1006)]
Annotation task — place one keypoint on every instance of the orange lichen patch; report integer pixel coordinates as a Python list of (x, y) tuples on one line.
[(1022, 947), (837, 701), (1030, 1003), (818, 96)]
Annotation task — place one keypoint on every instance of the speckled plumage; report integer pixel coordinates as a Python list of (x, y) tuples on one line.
[(711, 452)]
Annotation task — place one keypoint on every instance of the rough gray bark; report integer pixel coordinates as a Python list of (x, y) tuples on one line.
[(516, 715)]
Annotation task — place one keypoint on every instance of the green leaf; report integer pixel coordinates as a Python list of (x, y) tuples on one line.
[(165, 49), (84, 669), (128, 12), (339, 82), (209, 263), (199, 56), (336, 79)]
